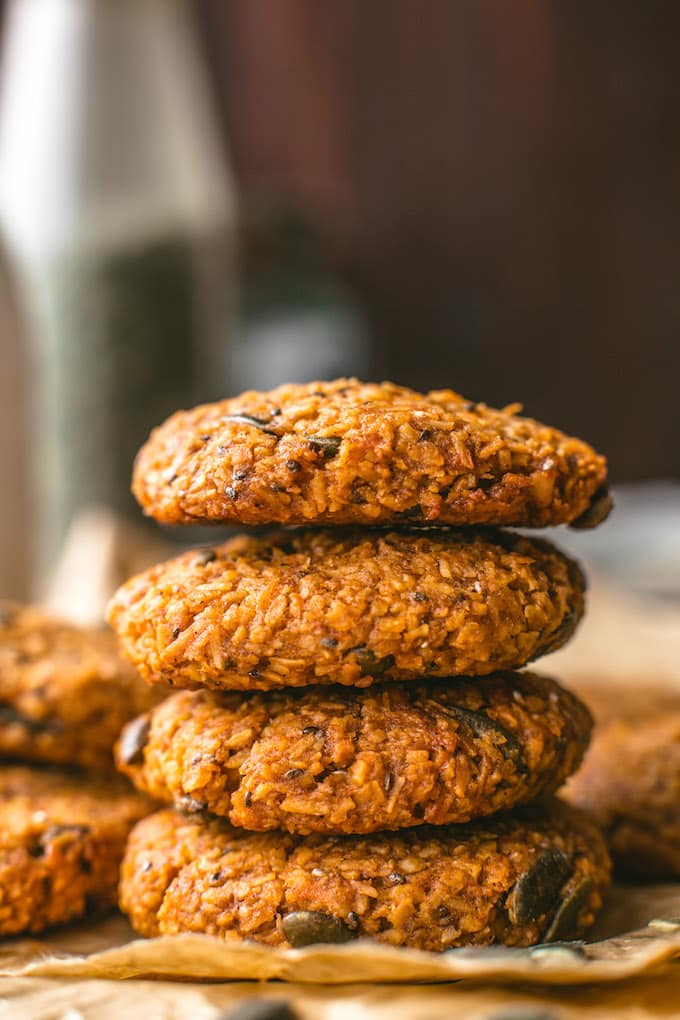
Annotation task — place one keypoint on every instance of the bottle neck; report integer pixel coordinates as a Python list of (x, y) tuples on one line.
[(106, 127)]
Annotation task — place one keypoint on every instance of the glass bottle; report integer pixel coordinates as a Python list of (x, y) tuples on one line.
[(117, 212), (298, 320)]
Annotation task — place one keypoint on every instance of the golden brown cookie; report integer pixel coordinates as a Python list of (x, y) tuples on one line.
[(630, 780), (65, 692), (335, 760), (347, 606), (346, 452), (62, 837), (534, 875)]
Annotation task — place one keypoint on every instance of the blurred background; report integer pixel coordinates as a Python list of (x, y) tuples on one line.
[(200, 197)]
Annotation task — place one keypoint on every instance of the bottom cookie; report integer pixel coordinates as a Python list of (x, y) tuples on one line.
[(62, 838), (534, 875)]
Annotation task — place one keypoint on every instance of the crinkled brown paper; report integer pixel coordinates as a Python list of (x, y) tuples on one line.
[(105, 950)]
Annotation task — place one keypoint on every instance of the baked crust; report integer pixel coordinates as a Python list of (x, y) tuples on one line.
[(346, 452), (334, 760), (537, 874), (65, 692), (347, 606), (62, 838)]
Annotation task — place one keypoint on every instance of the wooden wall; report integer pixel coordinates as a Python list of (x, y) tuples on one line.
[(499, 181)]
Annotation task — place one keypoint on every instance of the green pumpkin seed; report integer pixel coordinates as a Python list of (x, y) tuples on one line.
[(369, 663), (481, 726), (564, 924), (596, 512), (134, 740), (327, 445), (65, 833), (306, 927), (190, 805), (256, 423), (537, 889)]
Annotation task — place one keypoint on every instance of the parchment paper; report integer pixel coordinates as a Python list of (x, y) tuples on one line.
[(106, 950)]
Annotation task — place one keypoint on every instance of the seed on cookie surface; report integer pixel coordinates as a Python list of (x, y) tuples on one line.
[(341, 760), (366, 453), (336, 605), (284, 890)]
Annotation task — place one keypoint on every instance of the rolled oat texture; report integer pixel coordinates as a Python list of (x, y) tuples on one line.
[(65, 691), (535, 875), (62, 837), (347, 452), (348, 606), (336, 760)]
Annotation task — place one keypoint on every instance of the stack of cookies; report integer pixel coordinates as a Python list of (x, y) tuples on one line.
[(351, 753), (64, 813)]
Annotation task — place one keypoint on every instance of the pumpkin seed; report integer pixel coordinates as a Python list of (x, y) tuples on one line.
[(306, 927), (190, 805), (326, 445), (256, 423), (596, 512), (564, 924), (369, 663), (205, 556), (134, 740), (483, 725), (537, 889), (71, 832)]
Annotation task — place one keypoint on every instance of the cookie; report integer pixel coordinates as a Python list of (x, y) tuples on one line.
[(347, 452), (65, 692), (534, 875), (335, 760), (630, 780), (62, 838), (349, 607)]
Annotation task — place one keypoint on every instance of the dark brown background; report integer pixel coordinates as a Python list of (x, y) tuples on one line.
[(500, 182), (497, 180)]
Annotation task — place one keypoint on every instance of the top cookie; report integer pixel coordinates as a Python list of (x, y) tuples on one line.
[(65, 692), (347, 452)]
